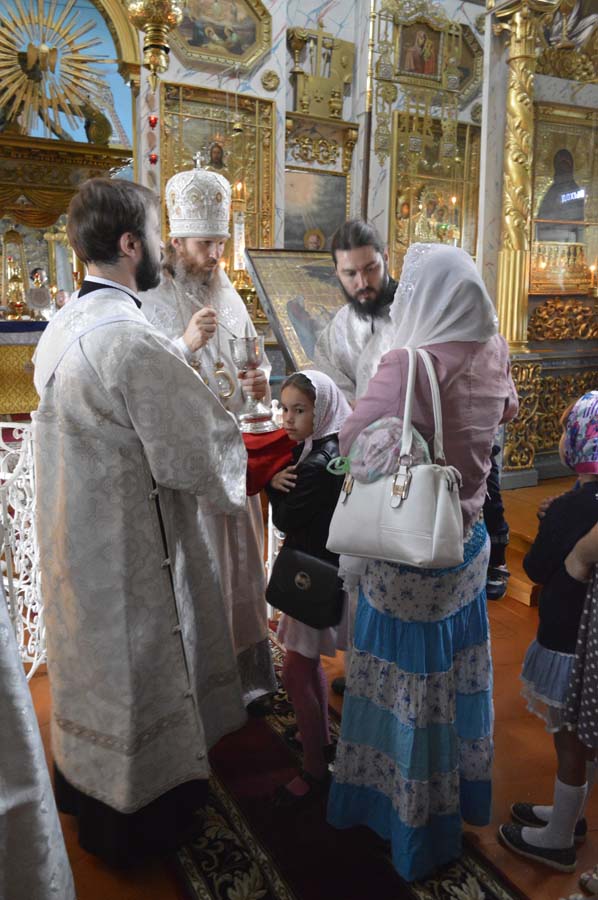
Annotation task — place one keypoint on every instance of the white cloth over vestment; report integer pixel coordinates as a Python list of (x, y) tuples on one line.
[(143, 680), (33, 860), (350, 349), (237, 540)]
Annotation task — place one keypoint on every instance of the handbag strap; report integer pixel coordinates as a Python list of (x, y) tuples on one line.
[(407, 437)]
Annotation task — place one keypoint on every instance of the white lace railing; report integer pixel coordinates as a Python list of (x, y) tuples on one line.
[(18, 546)]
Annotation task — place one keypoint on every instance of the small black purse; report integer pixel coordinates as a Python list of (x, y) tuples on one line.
[(306, 588)]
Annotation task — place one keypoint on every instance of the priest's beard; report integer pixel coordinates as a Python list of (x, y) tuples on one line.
[(193, 283), (147, 272), (372, 307)]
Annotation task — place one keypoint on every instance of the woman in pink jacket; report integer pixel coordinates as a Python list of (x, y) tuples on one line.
[(415, 754)]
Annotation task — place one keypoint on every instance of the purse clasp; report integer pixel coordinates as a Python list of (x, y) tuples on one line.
[(347, 486), (400, 486)]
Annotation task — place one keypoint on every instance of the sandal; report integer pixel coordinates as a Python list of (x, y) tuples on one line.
[(589, 880), (317, 788)]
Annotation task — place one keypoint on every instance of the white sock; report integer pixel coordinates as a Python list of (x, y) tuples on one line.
[(558, 833), (545, 812)]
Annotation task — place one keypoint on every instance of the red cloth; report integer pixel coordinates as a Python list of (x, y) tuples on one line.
[(266, 455)]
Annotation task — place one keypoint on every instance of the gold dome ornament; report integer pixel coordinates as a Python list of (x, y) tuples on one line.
[(156, 18), (44, 69), (270, 80)]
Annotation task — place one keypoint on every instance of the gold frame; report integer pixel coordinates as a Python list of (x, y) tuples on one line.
[(467, 186), (198, 58), (282, 277), (255, 162)]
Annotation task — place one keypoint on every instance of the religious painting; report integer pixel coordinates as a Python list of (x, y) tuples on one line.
[(223, 32), (470, 67), (433, 208), (315, 205), (300, 294), (420, 51)]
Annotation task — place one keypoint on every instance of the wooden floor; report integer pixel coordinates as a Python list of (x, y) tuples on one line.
[(524, 765)]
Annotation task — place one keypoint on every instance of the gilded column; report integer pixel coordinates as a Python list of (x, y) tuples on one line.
[(520, 18)]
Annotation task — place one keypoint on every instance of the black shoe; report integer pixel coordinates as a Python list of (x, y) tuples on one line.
[(496, 582), (260, 707), (563, 859), (290, 736), (525, 815), (317, 788), (338, 685)]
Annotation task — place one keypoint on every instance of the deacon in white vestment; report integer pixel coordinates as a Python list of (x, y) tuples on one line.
[(33, 860), (197, 306), (351, 346), (143, 675)]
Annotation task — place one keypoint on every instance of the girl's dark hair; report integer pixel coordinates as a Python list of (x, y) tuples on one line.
[(102, 210), (302, 383), (355, 233)]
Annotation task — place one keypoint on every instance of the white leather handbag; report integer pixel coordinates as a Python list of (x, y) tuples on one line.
[(412, 517)]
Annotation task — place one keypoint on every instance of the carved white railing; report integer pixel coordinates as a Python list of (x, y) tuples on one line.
[(19, 553)]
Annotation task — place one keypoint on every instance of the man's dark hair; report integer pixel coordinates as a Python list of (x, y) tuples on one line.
[(355, 233), (101, 211)]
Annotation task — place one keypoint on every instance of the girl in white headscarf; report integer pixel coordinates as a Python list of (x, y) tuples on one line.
[(303, 497), (415, 753)]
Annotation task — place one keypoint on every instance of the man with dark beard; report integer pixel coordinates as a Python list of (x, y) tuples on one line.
[(351, 346), (198, 308), (144, 681)]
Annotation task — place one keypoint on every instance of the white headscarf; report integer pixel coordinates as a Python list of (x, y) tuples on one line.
[(441, 297), (330, 409)]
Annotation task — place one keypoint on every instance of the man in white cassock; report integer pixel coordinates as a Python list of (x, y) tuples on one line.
[(143, 675), (33, 859), (197, 306)]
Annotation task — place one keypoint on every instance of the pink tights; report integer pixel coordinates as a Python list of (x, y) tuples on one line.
[(307, 687)]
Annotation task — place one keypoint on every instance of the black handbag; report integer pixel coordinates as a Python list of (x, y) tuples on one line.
[(306, 588)]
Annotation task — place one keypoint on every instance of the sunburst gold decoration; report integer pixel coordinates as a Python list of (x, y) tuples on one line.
[(45, 69)]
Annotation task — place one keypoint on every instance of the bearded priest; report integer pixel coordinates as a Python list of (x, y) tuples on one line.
[(197, 306)]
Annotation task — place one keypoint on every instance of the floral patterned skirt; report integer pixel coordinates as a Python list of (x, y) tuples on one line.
[(415, 753)]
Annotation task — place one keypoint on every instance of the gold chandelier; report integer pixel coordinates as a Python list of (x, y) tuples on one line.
[(156, 18)]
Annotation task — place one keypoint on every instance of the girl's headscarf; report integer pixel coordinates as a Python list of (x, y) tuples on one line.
[(330, 409), (441, 297), (581, 435)]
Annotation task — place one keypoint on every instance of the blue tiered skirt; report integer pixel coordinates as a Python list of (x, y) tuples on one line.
[(415, 753)]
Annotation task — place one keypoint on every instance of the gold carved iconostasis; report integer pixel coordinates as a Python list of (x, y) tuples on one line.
[(546, 285), (427, 71), (66, 114)]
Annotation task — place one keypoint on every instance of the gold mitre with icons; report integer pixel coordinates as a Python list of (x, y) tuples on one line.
[(198, 203)]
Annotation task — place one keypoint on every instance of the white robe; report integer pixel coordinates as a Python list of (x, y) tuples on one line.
[(237, 540), (350, 348), (144, 679), (33, 860)]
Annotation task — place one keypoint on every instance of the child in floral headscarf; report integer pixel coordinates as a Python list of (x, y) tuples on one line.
[(548, 834)]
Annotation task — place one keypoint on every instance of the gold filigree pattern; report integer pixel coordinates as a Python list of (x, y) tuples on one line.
[(567, 63), (17, 393), (386, 95), (557, 392), (322, 68), (520, 444), (563, 319), (314, 149)]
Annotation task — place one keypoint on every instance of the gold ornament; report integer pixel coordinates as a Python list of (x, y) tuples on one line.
[(54, 75), (563, 319), (520, 445), (156, 18), (270, 80)]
